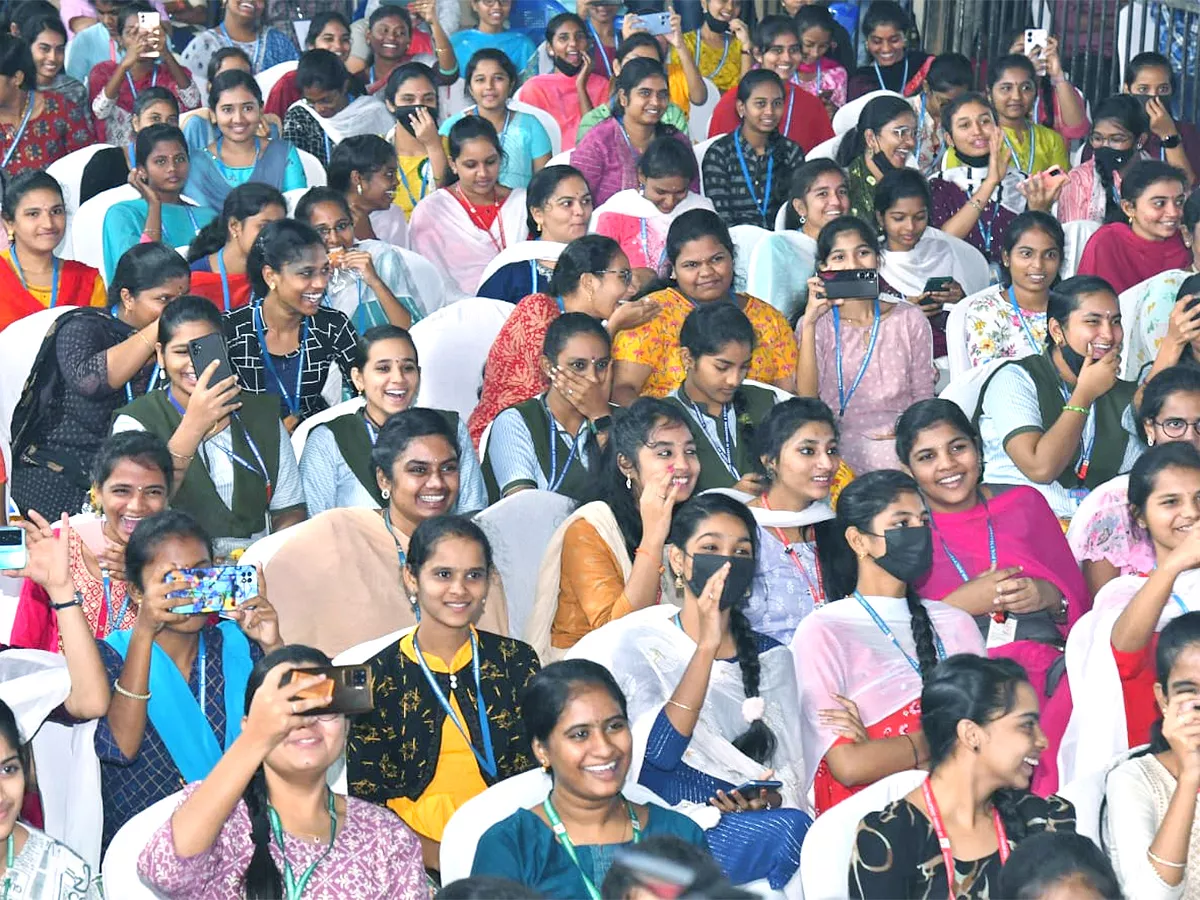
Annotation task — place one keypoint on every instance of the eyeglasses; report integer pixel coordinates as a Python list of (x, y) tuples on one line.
[(1176, 427), (901, 132), (626, 275), (338, 228), (1116, 141)]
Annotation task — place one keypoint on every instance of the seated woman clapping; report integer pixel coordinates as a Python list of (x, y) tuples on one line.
[(264, 823), (577, 720)]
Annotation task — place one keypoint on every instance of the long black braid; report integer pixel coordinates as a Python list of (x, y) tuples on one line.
[(262, 879), (923, 634), (757, 741)]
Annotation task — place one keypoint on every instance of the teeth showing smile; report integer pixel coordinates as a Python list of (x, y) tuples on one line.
[(433, 499), (1030, 761), (951, 481), (607, 767)]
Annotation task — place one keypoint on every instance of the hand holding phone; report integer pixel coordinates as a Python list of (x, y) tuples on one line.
[(13, 554), (149, 30), (350, 690), (752, 789), (212, 590), (939, 284)]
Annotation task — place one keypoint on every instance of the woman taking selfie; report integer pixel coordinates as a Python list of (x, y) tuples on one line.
[(430, 687), (263, 813), (219, 252), (563, 703)]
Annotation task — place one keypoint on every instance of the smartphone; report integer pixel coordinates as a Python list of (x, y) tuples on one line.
[(203, 350), (752, 789), (1035, 39), (1056, 172), (213, 590), (12, 547), (352, 688), (149, 22), (851, 284), (656, 23), (938, 284)]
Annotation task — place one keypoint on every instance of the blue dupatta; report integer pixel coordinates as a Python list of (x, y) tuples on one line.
[(208, 187), (173, 709)]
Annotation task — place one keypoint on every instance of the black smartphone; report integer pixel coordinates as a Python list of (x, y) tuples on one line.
[(352, 688), (204, 350), (851, 284), (939, 284)]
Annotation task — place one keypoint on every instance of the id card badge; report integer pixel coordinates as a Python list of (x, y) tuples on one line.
[(1078, 495), (301, 27), (1001, 633)]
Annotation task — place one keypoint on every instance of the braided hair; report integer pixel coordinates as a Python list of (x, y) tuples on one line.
[(758, 741)]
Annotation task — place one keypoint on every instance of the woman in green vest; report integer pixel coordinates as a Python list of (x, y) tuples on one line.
[(716, 343), (235, 471), (520, 455), (335, 464)]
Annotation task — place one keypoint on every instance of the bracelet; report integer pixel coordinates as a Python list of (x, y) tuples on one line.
[(916, 756), (680, 705), (975, 203), (180, 456), (146, 340), (77, 600), (1082, 410), (130, 694), (1163, 862)]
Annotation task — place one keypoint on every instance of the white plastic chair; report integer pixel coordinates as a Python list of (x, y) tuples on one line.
[(964, 389), (68, 172), (314, 171), (553, 129), (1087, 794), (781, 217), (700, 115), (300, 435), (1128, 302), (1077, 235), (780, 394), (451, 100), (745, 239), (523, 251), (431, 288), (847, 117), (268, 78), (956, 338), (119, 870), (453, 344), (293, 197), (519, 528), (829, 843), (19, 346), (560, 159), (826, 149), (700, 150), (778, 271), (87, 226)]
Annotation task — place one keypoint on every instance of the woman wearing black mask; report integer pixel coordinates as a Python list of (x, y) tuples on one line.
[(1053, 420), (885, 136), (1092, 190), (862, 661)]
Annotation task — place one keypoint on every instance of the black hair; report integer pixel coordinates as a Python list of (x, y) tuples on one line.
[(490, 54), (982, 690), (638, 39), (542, 186), (1049, 860), (218, 60), (814, 15), (1191, 210), (668, 157), (403, 428), (1148, 60), (1010, 61), (129, 8), (874, 116), (858, 504), (630, 433), (278, 244), (10, 732), (184, 310), (901, 184), (321, 69), (486, 887), (1145, 172), (758, 741), (153, 135), (152, 532), (548, 692), (143, 447), (15, 56), (770, 28), (229, 80), (262, 880), (1177, 635), (949, 71), (1064, 299), (566, 327), (146, 266), (241, 203), (316, 195), (803, 178), (1177, 379), (951, 109), (1033, 220), (633, 73), (21, 14), (622, 881), (585, 255), (365, 154), (1125, 111), (885, 12), (710, 327), (154, 94), (693, 225), (471, 128), (557, 22), (755, 78), (1190, 286), (390, 11), (377, 333), (431, 532), (925, 414), (318, 23), (23, 183), (403, 73), (42, 20), (1173, 454), (839, 226)]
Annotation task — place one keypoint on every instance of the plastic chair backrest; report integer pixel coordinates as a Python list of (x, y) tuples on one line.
[(268, 78), (553, 129), (827, 149), (781, 217), (847, 117), (470, 821), (119, 869), (956, 338), (700, 115), (68, 172), (300, 435), (87, 226), (700, 150), (431, 289), (964, 389), (560, 159), (1087, 792), (453, 343), (1077, 235), (745, 239), (314, 171)]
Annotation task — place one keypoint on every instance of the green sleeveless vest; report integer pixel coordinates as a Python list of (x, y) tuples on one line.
[(578, 483), (752, 404)]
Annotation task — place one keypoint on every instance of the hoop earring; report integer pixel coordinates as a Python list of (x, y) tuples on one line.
[(801, 219), (385, 494)]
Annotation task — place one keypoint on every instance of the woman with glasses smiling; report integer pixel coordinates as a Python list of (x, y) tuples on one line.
[(880, 143)]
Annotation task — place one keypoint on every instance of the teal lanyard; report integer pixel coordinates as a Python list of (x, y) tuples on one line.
[(21, 274), (294, 888), (9, 857), (564, 839), (224, 277)]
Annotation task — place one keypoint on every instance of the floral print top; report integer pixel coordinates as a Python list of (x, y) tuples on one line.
[(1103, 529), (994, 331), (1152, 301)]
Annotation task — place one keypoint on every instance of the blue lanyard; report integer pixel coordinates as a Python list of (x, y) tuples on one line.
[(608, 66), (628, 143), (725, 446), (487, 759), (724, 54), (1025, 326), (920, 126), (114, 624), (149, 386), (260, 470), (879, 75), (1028, 170), (202, 660), (954, 561), (292, 400), (887, 632), (533, 276), (372, 431), (360, 311), (401, 556), (764, 204), (224, 276), (187, 207), (645, 237), (328, 147), (787, 125), (1179, 602), (556, 478), (562, 307), (19, 132), (153, 80), (132, 156), (258, 46), (473, 110), (1087, 440), (843, 397), (53, 275), (404, 181), (991, 227)]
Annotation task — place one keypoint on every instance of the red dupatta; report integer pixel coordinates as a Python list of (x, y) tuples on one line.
[(75, 285), (208, 286)]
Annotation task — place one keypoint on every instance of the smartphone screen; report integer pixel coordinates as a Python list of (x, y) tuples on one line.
[(212, 590), (12, 547)]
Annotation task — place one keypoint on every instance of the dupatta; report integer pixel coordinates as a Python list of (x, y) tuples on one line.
[(174, 712), (936, 253), (75, 282), (362, 115), (210, 286), (208, 186), (630, 204)]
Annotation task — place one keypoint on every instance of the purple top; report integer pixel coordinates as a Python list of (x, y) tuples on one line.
[(375, 855), (607, 161), (949, 198)]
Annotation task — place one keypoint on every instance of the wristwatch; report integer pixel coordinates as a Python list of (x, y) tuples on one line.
[(77, 600), (1170, 143), (601, 424)]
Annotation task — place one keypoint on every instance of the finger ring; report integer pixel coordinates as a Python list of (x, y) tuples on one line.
[(293, 707), (570, 393)]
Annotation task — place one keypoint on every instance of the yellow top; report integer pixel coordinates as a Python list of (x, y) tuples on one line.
[(1049, 149), (730, 71), (410, 169), (457, 778), (99, 296)]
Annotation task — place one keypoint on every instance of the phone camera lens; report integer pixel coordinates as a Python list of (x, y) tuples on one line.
[(359, 678)]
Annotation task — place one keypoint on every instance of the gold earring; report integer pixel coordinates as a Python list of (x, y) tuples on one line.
[(678, 582)]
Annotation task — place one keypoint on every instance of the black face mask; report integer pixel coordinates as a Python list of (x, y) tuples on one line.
[(883, 163), (403, 113), (975, 162), (909, 553), (737, 582), (715, 25), (566, 68), (1073, 359), (1109, 160)]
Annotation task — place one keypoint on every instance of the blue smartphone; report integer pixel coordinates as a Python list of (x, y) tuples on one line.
[(752, 789), (656, 23), (12, 548), (213, 590)]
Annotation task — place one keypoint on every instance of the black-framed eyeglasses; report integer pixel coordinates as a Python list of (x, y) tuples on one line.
[(339, 227), (1176, 427), (626, 275)]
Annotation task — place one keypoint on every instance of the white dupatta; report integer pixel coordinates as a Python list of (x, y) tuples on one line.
[(968, 179), (632, 204), (647, 652), (1097, 730), (838, 649), (779, 518), (936, 254), (362, 115)]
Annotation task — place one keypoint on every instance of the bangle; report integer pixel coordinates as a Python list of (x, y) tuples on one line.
[(175, 455), (1056, 80), (77, 600), (130, 694), (916, 756), (680, 705), (975, 203), (646, 553), (145, 340), (1164, 862), (1082, 410)]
